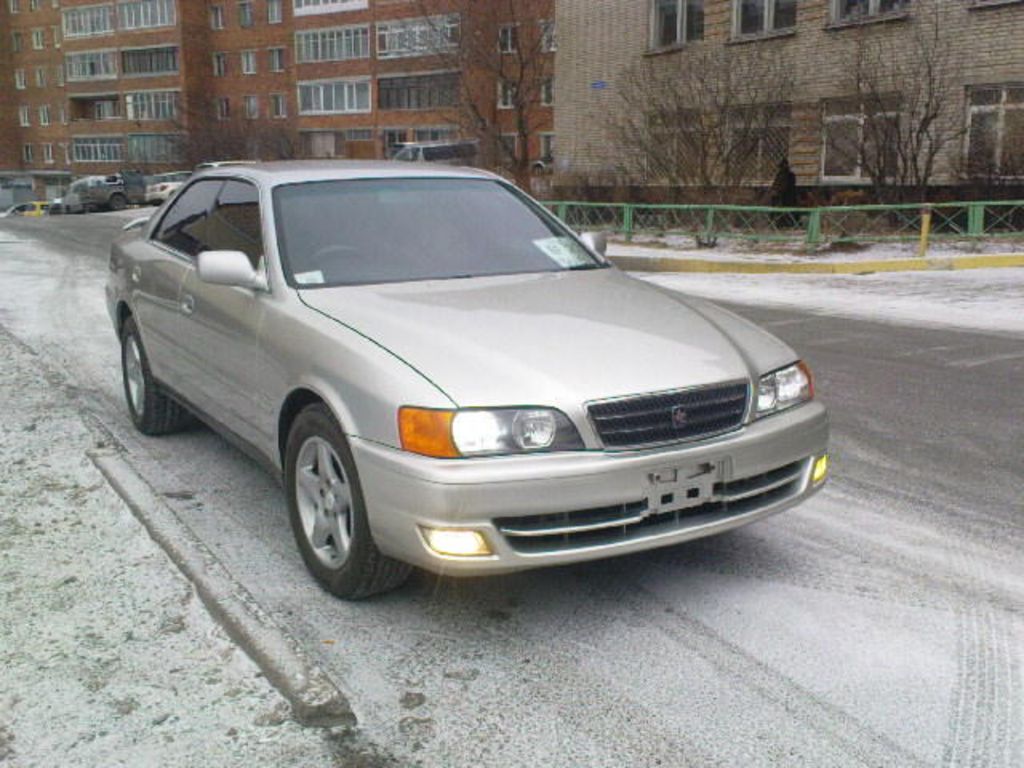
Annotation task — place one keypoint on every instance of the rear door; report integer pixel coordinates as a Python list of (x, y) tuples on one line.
[(157, 274)]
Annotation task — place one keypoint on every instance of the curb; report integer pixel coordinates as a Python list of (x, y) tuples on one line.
[(314, 699), (669, 264)]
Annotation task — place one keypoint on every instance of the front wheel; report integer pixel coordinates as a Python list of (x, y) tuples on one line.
[(118, 202), (328, 514)]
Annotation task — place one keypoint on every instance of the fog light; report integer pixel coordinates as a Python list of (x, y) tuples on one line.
[(456, 543), (820, 469)]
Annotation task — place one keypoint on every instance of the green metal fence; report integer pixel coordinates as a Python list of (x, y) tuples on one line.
[(812, 226)]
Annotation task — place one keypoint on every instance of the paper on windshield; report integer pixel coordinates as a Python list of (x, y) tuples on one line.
[(564, 251)]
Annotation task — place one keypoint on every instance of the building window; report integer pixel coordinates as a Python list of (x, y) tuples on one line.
[(547, 92), (995, 132), (336, 44), (508, 38), (417, 37), (145, 14), (547, 147), (216, 17), (223, 108), (248, 62), (16, 42), (151, 105), (245, 17), (38, 39), (419, 92), (850, 137), (48, 153), (26, 153), (24, 117), (320, 144), (220, 64), (274, 11), (55, 33), (89, 21), (676, 21), (359, 134), (91, 65), (15, 7), (33, 5), (44, 115), (150, 61), (153, 148), (757, 17), (305, 7), (278, 105), (334, 97), (548, 41), (276, 59), (433, 133), (105, 109), (58, 75), (393, 139), (853, 10), (40, 77), (63, 115), (97, 149), (252, 107), (509, 143), (19, 79), (506, 95)]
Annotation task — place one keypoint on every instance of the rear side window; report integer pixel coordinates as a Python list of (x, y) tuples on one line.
[(184, 226), (235, 223)]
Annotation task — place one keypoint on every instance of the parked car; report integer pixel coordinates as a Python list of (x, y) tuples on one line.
[(163, 185), (32, 209), (447, 377), (96, 193), (444, 152), (220, 163)]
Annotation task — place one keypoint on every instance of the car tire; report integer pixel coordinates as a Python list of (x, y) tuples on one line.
[(118, 202), (328, 512), (152, 412)]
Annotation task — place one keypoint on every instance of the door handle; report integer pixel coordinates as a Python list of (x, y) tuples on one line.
[(188, 304), (136, 274)]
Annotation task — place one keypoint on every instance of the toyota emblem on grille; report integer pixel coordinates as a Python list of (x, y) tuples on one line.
[(679, 417)]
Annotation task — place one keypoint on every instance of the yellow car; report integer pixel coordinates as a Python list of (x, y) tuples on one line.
[(34, 209)]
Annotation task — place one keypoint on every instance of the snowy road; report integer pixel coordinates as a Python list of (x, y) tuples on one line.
[(881, 624)]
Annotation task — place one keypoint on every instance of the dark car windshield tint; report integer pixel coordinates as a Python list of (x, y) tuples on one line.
[(397, 230)]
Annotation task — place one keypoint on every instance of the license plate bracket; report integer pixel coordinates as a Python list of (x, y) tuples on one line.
[(676, 488)]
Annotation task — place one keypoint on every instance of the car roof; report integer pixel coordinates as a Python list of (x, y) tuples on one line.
[(299, 171)]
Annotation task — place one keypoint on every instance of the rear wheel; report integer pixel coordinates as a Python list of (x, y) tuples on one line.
[(152, 412), (328, 514)]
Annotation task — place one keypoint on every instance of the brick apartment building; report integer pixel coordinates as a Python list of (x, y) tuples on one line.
[(95, 86), (818, 44)]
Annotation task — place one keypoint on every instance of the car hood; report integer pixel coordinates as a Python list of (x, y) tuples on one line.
[(549, 339)]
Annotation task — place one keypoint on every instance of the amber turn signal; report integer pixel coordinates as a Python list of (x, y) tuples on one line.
[(427, 431)]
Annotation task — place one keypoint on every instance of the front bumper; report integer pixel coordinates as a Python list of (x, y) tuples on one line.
[(562, 508)]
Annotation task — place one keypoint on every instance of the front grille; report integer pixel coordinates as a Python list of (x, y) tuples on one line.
[(603, 526), (686, 414)]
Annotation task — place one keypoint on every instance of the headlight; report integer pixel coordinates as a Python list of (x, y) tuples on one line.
[(784, 388), (480, 432)]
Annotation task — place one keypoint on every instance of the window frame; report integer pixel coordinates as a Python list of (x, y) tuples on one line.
[(682, 14), (767, 27), (247, 59), (873, 13), (1000, 109)]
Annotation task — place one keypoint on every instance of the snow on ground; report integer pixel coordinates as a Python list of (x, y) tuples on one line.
[(680, 247), (976, 299), (107, 657)]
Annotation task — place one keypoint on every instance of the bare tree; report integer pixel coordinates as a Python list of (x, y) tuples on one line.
[(715, 119), (205, 139), (504, 55), (905, 89)]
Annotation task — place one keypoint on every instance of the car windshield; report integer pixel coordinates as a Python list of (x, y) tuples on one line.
[(399, 230)]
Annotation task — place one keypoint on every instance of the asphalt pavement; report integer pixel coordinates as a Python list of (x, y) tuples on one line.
[(879, 624)]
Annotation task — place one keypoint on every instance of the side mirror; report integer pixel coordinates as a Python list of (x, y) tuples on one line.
[(135, 223), (230, 268), (595, 241)]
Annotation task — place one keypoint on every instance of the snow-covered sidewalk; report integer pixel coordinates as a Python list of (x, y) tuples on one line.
[(978, 299), (107, 657)]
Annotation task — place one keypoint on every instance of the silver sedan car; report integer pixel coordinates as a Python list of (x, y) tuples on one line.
[(445, 376)]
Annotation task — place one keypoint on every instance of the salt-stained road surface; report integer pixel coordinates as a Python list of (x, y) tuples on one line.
[(881, 624)]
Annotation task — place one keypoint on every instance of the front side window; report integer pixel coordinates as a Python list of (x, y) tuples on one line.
[(676, 21), (184, 226), (234, 224), (400, 230)]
